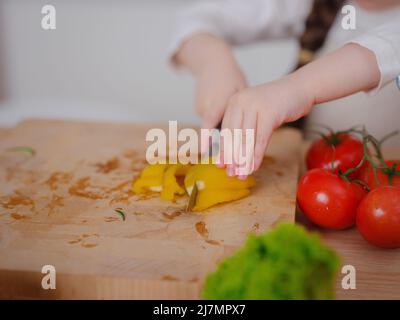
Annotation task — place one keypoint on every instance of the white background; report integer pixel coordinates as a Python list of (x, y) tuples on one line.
[(105, 61)]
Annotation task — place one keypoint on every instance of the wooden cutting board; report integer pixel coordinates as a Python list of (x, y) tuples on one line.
[(57, 208)]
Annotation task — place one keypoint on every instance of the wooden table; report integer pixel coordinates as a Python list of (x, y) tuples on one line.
[(58, 208), (377, 270)]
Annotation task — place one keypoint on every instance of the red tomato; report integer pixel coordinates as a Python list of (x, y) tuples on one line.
[(348, 153), (328, 200), (367, 175), (378, 217)]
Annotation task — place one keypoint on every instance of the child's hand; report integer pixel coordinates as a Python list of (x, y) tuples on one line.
[(263, 108), (348, 70), (216, 84), (217, 74)]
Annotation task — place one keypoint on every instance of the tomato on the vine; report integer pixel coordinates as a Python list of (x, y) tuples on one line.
[(378, 217), (338, 151), (385, 177), (328, 200)]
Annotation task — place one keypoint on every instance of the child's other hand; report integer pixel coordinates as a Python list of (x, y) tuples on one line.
[(263, 108), (216, 84), (217, 74)]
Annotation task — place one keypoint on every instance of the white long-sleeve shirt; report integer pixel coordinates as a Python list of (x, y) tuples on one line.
[(243, 21), (247, 21)]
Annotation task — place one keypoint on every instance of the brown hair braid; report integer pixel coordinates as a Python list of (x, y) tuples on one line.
[(317, 26)]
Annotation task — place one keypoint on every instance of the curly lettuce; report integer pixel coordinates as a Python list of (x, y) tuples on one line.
[(287, 263)]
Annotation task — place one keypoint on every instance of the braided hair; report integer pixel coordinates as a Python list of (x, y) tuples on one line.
[(318, 24)]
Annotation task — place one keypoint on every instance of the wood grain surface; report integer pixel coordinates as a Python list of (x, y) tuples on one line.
[(57, 208)]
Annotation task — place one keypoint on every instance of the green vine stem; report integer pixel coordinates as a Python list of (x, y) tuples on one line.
[(333, 138), (382, 166)]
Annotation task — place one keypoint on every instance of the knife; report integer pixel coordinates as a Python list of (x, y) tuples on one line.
[(193, 195), (215, 145), (193, 198)]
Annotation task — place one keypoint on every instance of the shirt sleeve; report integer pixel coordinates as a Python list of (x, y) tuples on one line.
[(384, 42), (241, 22)]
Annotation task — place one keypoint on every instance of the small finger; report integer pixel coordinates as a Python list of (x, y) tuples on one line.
[(235, 122), (246, 152), (263, 134)]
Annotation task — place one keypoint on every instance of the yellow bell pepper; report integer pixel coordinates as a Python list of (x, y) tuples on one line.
[(215, 186), (209, 198), (170, 184), (151, 179), (209, 176)]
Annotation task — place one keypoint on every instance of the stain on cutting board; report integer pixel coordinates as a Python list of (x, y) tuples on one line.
[(203, 231)]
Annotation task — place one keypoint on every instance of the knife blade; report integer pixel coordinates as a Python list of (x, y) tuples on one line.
[(193, 195), (193, 198), (214, 146)]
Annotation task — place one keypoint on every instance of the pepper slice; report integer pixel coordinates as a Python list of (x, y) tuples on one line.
[(211, 177), (170, 183), (151, 179), (209, 198), (215, 186)]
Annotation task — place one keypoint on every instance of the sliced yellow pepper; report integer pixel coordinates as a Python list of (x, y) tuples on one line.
[(215, 186), (170, 184), (209, 198), (209, 176), (151, 179)]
